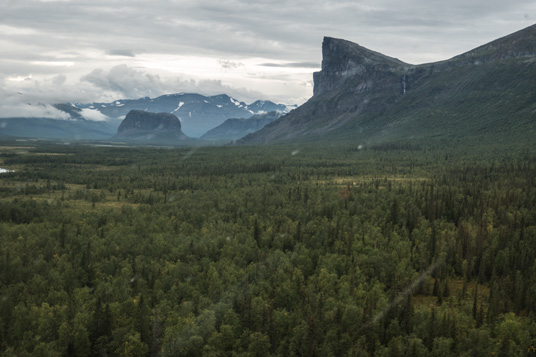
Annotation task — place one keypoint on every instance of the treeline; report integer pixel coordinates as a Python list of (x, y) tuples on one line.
[(395, 251)]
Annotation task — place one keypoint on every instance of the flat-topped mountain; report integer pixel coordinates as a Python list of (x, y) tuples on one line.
[(362, 95), (140, 125)]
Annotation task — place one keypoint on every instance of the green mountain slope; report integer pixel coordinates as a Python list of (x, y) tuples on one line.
[(491, 99), (485, 94)]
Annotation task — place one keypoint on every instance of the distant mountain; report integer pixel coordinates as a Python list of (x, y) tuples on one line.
[(197, 113), (144, 126), (57, 129), (74, 112), (266, 106), (96, 121), (362, 96), (233, 129)]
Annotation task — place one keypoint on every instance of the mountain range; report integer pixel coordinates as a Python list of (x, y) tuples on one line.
[(197, 113), (236, 128), (100, 121), (363, 96)]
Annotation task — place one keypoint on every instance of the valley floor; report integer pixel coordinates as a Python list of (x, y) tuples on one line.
[(387, 250)]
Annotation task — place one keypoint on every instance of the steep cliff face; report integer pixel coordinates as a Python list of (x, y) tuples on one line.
[(353, 80), (142, 125), (360, 93), (343, 60)]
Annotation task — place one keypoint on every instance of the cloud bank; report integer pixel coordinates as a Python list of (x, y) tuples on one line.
[(123, 81), (29, 97)]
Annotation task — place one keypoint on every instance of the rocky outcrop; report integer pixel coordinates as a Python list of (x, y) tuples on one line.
[(343, 60), (142, 125)]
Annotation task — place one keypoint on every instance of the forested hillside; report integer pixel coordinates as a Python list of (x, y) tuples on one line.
[(389, 250)]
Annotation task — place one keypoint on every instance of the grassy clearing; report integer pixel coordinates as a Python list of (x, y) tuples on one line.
[(357, 180), (457, 296)]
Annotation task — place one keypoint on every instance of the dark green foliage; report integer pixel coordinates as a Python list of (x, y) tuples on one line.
[(267, 251)]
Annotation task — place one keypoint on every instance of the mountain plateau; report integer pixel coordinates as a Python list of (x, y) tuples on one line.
[(144, 126)]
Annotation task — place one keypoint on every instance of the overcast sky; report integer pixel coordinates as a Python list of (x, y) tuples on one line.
[(101, 50)]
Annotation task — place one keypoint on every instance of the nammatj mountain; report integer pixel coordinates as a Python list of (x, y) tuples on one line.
[(365, 97)]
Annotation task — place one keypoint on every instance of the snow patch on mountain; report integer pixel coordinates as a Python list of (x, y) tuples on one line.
[(178, 107)]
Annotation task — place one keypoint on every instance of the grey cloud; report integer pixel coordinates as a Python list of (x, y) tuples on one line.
[(33, 97), (59, 79), (30, 98), (125, 82), (278, 28), (16, 104), (28, 110), (281, 31), (228, 64), (124, 53), (293, 65)]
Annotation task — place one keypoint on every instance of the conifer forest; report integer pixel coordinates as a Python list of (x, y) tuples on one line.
[(393, 249)]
